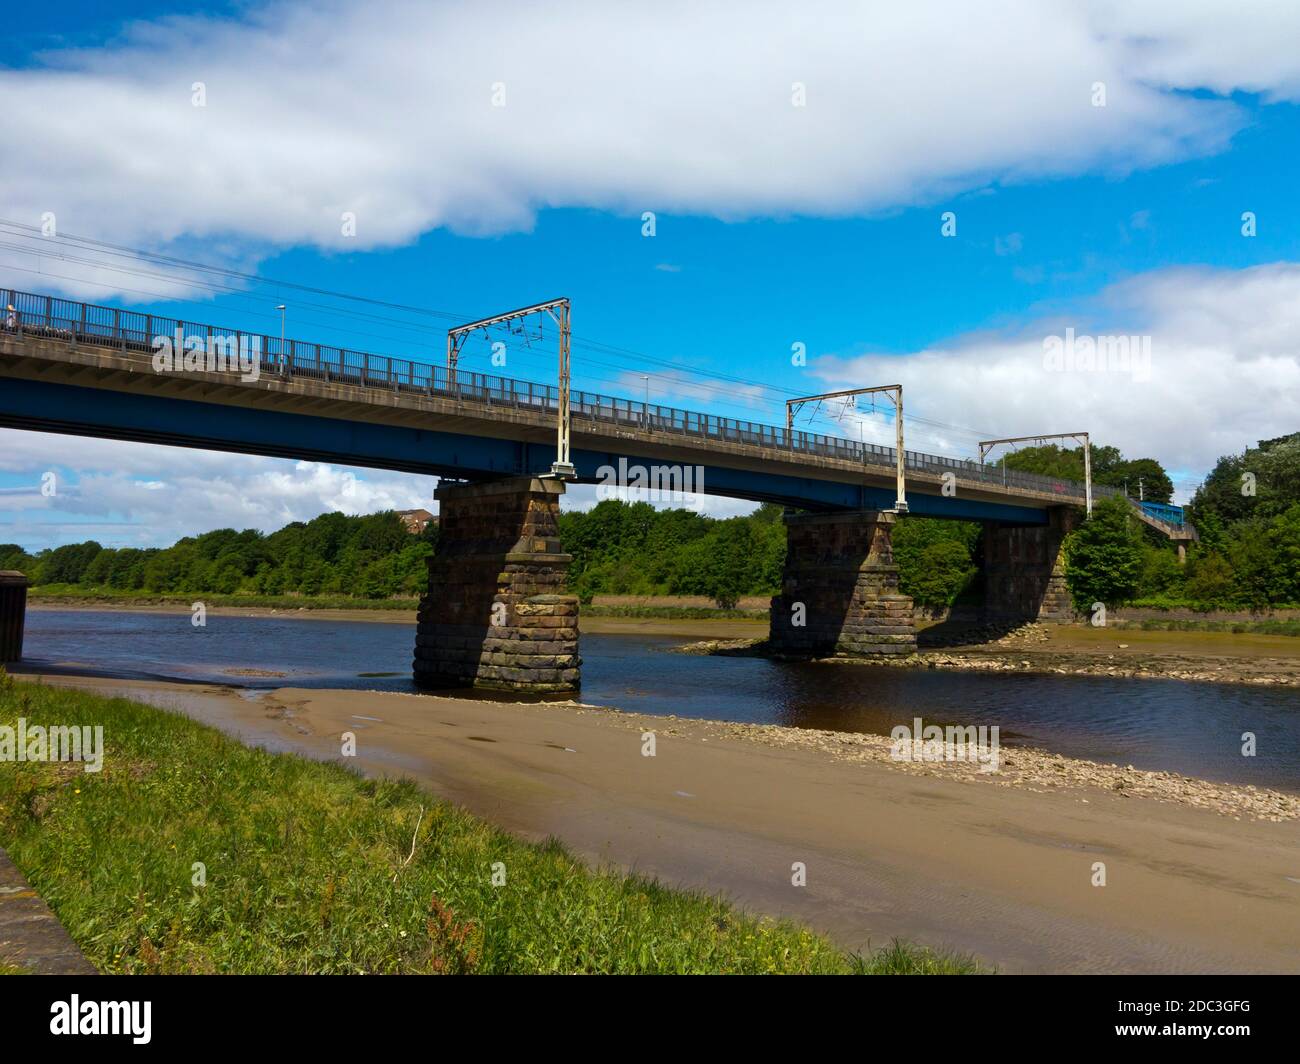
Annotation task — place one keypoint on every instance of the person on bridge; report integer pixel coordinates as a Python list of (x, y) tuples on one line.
[(11, 317)]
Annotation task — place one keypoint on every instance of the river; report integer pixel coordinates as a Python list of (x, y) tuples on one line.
[(1190, 728)]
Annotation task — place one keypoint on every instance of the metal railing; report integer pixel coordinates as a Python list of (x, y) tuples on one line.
[(129, 330), (1170, 515)]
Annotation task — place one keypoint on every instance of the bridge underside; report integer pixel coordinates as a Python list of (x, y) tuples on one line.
[(496, 612), (49, 406)]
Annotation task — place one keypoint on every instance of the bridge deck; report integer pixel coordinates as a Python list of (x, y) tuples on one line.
[(55, 351)]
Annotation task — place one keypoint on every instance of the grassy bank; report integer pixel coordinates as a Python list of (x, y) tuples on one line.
[(73, 595), (674, 613), (311, 868), (1236, 627)]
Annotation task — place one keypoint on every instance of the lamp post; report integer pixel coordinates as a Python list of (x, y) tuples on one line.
[(284, 362)]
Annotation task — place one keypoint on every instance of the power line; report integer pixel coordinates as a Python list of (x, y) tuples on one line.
[(585, 343)]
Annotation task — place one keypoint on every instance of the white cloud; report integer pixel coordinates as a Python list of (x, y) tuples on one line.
[(1208, 44), (144, 495), (385, 109), (1225, 371), (141, 495)]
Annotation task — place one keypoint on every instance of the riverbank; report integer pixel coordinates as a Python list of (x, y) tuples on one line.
[(209, 856), (1184, 644), (1201, 656), (1275, 621), (1000, 865), (692, 627)]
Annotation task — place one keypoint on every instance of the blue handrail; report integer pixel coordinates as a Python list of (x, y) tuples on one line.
[(1172, 515)]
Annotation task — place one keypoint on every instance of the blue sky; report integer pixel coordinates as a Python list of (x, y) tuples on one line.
[(775, 224)]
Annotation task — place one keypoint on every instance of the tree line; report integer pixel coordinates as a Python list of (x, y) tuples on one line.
[(369, 557), (1247, 513)]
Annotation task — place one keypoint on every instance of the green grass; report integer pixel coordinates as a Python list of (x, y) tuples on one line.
[(1167, 602), (672, 613), (309, 868), (1287, 627), (74, 594)]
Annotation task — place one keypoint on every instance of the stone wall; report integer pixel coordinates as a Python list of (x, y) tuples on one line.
[(13, 614), (841, 582), (1024, 571), (496, 615)]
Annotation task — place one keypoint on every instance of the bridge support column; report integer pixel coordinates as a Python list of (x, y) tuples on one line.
[(13, 615), (1024, 570), (496, 615), (839, 592)]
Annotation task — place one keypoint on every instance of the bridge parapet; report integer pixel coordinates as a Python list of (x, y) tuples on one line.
[(478, 400)]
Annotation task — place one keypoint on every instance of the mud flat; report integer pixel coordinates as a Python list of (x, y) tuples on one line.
[(671, 626), (1210, 657), (1199, 876)]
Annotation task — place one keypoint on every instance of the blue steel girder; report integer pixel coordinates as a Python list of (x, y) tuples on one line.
[(74, 410)]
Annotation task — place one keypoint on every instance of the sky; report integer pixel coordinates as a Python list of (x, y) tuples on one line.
[(930, 193)]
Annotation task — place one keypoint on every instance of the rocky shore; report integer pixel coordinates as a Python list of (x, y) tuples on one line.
[(1030, 648), (1023, 767)]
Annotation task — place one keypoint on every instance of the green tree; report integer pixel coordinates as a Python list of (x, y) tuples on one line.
[(1109, 467), (1285, 535), (944, 568), (1264, 481), (1155, 483), (14, 557), (66, 564), (1255, 569), (1104, 556), (1162, 575), (935, 558), (1210, 584)]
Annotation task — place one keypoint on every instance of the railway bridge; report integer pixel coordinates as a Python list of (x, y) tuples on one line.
[(496, 613)]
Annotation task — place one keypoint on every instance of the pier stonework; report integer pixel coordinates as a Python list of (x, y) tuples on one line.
[(1024, 570), (839, 591), (496, 615), (13, 614)]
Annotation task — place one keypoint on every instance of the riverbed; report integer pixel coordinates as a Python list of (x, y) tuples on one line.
[(1195, 729)]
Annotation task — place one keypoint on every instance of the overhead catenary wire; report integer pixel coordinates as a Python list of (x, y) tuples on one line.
[(634, 360)]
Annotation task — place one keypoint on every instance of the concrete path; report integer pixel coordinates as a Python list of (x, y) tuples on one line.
[(31, 937)]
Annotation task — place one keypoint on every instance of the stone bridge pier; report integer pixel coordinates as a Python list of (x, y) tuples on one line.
[(839, 592), (1024, 570), (496, 615)]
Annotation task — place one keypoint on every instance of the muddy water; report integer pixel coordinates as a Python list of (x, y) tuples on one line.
[(1189, 728)]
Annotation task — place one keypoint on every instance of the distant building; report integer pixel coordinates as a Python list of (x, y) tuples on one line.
[(416, 521)]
